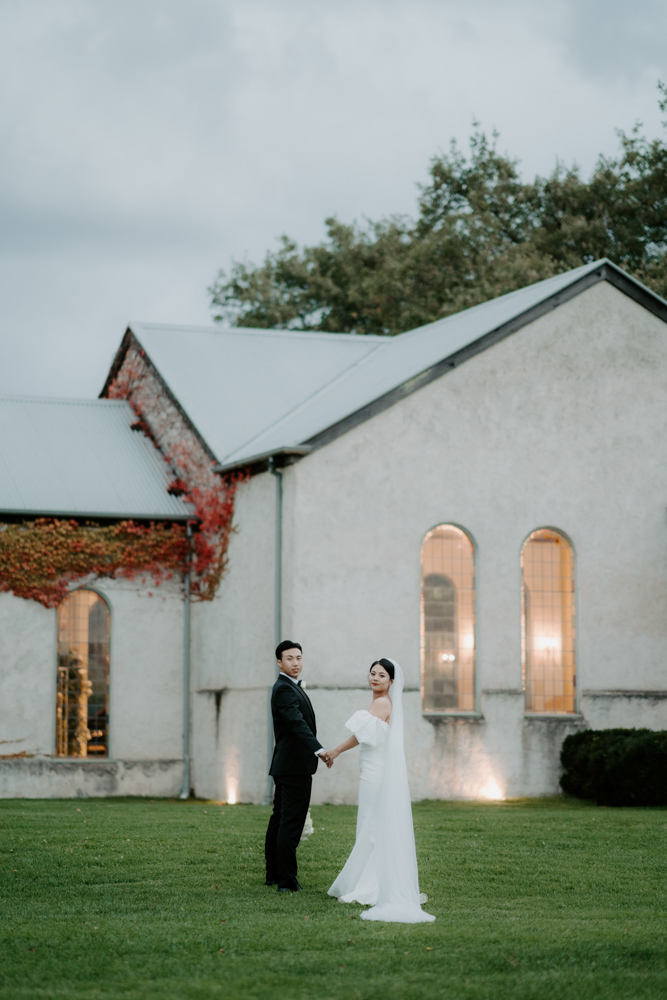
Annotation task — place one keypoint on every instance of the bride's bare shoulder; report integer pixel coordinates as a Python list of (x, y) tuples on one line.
[(381, 708)]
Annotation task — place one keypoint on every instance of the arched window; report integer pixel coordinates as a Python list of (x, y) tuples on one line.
[(82, 697), (547, 574), (448, 621)]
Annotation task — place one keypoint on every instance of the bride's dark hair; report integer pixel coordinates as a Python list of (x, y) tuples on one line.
[(386, 664)]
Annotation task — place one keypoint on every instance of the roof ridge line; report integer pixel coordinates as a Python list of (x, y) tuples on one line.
[(261, 331), (577, 272)]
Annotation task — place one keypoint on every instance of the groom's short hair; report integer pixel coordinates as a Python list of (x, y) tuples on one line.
[(285, 645)]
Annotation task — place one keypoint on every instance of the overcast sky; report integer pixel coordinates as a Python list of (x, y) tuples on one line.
[(144, 143)]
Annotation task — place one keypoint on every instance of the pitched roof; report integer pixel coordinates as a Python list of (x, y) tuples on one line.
[(251, 393), (235, 383), (80, 458)]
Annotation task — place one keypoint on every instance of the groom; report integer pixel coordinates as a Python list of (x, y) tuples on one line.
[(295, 759)]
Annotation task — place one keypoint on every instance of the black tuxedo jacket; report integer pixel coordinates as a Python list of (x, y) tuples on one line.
[(294, 728)]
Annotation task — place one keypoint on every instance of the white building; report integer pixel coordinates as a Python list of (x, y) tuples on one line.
[(483, 499)]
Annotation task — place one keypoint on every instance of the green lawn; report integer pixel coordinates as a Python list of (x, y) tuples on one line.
[(160, 899)]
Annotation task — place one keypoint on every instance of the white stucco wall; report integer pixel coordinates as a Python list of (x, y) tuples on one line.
[(563, 424), (27, 676), (146, 670), (233, 638), (146, 683)]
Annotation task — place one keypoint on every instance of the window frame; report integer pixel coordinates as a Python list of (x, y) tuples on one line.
[(439, 713), (576, 711), (104, 597)]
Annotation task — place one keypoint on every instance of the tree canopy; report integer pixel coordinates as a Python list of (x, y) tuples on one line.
[(481, 231)]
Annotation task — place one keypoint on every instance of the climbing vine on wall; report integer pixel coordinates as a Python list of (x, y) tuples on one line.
[(211, 495), (40, 559)]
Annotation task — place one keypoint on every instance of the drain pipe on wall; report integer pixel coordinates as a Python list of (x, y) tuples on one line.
[(278, 597), (185, 790)]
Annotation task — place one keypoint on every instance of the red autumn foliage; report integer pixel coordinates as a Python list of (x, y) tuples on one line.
[(211, 496), (177, 488), (41, 559)]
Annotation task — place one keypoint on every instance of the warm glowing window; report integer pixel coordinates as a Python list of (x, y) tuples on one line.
[(448, 621), (547, 571), (82, 698)]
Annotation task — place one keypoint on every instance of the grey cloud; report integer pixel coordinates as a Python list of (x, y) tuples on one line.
[(30, 229), (616, 41), (144, 143)]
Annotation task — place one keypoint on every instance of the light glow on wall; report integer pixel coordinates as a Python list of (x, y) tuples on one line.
[(492, 791), (231, 794)]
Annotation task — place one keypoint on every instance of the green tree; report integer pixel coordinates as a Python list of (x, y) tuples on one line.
[(481, 231)]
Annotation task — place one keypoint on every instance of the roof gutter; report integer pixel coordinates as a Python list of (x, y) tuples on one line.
[(99, 517), (265, 460)]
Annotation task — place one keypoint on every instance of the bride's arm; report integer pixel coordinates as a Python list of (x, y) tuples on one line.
[(347, 745)]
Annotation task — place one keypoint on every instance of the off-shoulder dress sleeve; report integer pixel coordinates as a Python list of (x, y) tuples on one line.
[(367, 728)]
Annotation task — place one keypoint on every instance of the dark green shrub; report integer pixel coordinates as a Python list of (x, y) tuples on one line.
[(616, 767)]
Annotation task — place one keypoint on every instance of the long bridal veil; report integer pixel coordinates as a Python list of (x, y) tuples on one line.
[(396, 857)]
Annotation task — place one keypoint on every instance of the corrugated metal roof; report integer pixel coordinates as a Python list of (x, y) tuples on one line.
[(235, 383), (250, 392), (80, 458)]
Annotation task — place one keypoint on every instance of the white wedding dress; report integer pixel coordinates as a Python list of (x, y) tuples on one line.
[(381, 871)]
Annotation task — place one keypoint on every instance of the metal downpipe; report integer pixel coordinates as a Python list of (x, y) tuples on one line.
[(278, 611), (185, 789)]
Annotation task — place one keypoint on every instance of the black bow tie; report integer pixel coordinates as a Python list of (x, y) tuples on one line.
[(298, 683)]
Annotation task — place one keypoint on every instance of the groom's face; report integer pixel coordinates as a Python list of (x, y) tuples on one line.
[(291, 662)]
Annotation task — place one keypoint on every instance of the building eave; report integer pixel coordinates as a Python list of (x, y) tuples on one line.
[(260, 463), (13, 515)]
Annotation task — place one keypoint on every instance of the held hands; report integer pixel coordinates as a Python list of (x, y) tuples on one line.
[(330, 757)]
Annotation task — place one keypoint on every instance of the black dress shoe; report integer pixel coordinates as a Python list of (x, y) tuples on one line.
[(271, 881), (290, 888)]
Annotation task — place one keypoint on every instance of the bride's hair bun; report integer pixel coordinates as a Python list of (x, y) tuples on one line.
[(387, 664)]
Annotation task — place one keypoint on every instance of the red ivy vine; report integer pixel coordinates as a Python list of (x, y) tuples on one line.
[(41, 559), (211, 496)]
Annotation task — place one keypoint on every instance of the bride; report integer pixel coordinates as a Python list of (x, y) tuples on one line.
[(382, 868)]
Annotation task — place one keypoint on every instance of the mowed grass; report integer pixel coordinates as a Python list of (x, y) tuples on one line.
[(162, 899)]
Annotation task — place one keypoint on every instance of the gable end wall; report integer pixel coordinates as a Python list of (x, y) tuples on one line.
[(564, 425)]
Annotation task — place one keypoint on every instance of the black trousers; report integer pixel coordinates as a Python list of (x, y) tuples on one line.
[(290, 808)]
